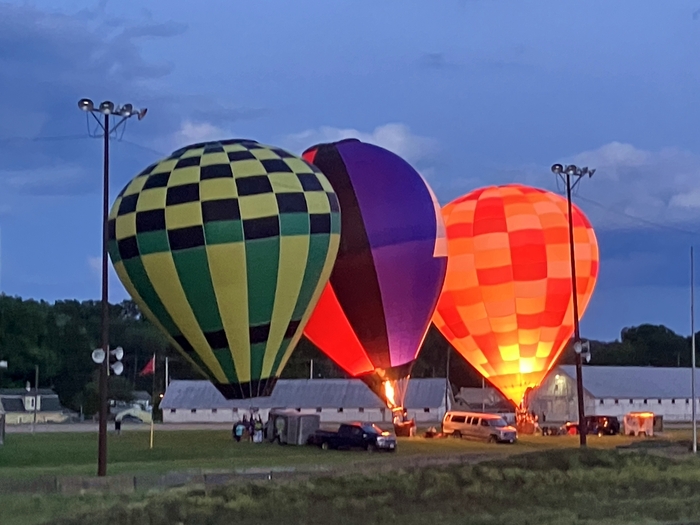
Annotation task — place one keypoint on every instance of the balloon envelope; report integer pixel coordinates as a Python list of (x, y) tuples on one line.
[(374, 313), (506, 304), (226, 246)]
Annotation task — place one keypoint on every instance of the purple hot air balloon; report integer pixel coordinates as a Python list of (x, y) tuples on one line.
[(375, 310)]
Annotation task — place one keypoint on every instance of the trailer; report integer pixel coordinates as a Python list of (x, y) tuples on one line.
[(639, 424), (290, 427)]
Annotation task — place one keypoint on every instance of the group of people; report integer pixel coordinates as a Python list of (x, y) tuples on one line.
[(249, 429), (527, 422)]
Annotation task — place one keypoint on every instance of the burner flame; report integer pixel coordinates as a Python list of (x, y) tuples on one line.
[(390, 395)]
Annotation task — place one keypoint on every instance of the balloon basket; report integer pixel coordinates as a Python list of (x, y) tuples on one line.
[(403, 427)]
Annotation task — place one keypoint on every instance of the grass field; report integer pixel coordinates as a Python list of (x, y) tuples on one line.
[(26, 456)]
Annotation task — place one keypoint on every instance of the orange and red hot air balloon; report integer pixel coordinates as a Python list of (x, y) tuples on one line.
[(506, 304)]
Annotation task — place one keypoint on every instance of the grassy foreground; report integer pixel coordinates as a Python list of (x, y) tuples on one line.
[(553, 487)]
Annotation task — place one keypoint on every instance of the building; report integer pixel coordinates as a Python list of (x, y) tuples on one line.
[(335, 400), (488, 400), (615, 391), (18, 404)]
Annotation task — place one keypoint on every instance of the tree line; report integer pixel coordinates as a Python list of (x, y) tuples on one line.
[(60, 337)]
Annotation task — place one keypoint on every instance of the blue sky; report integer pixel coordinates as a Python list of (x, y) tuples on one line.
[(472, 92)]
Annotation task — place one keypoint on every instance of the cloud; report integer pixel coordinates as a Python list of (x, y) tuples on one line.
[(95, 265), (191, 132), (47, 62), (50, 60), (632, 188), (435, 61), (395, 137), (63, 180)]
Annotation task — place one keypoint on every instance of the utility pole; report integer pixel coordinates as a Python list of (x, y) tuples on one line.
[(571, 175), (123, 113), (447, 378), (36, 394), (692, 350)]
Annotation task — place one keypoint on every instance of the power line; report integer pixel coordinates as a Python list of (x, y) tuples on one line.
[(639, 219), (141, 146), (59, 138), (56, 138)]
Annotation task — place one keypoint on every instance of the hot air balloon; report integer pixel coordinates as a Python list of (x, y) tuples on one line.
[(374, 313), (506, 305), (226, 246)]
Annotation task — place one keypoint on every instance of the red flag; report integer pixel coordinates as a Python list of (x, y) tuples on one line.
[(150, 367)]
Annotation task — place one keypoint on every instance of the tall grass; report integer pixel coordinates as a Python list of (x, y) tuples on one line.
[(554, 487)]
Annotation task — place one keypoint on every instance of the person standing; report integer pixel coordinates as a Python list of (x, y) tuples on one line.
[(258, 430), (238, 430)]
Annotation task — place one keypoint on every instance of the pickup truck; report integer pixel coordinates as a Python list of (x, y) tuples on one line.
[(354, 435)]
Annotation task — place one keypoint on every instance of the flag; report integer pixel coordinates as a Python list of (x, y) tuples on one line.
[(150, 367)]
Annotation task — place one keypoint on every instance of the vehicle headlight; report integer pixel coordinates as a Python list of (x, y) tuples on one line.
[(381, 440)]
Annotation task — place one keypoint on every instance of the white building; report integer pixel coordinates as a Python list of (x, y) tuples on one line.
[(19, 406), (335, 400), (615, 391)]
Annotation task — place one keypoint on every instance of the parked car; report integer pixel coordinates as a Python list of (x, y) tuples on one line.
[(354, 435), (595, 425), (475, 425)]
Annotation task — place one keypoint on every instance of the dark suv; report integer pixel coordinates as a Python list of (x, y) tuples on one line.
[(596, 425)]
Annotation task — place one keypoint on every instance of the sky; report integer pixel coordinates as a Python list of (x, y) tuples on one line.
[(471, 92)]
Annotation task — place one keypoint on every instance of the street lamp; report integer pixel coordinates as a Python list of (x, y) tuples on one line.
[(101, 115), (571, 175)]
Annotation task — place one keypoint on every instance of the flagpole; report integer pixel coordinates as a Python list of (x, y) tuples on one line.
[(153, 395)]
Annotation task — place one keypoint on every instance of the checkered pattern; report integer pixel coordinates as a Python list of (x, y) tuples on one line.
[(506, 304), (227, 245)]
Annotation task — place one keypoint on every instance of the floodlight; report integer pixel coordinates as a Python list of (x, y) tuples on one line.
[(557, 168), (126, 110), (86, 104), (107, 107)]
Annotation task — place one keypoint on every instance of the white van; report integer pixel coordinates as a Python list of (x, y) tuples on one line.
[(475, 425)]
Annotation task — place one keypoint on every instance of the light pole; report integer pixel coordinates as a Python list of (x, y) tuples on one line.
[(571, 175), (122, 114)]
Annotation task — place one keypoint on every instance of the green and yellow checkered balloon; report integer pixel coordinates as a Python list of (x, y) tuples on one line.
[(226, 246)]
